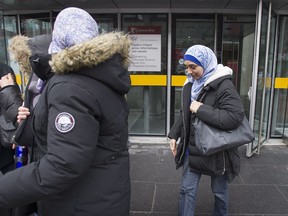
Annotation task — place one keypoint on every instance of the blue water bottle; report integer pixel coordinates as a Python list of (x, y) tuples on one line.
[(21, 156)]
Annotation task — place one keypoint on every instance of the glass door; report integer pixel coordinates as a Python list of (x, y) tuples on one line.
[(148, 71), (8, 29), (260, 89), (35, 24), (187, 30), (279, 125), (238, 46)]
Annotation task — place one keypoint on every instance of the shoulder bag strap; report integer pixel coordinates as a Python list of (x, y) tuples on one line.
[(201, 97)]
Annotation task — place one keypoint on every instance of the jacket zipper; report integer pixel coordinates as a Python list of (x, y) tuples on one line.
[(224, 169)]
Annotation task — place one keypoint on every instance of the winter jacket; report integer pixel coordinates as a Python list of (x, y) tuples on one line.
[(222, 108), (80, 127), (10, 100), (32, 57)]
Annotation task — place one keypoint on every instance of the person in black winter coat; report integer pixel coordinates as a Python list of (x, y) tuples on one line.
[(10, 100), (221, 108), (32, 56), (80, 125)]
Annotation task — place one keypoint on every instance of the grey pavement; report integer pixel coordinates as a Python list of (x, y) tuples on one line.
[(261, 188)]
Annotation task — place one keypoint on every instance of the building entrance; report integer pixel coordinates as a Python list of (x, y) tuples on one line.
[(158, 75), (232, 39)]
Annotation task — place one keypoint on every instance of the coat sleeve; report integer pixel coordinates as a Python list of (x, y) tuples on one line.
[(10, 101), (228, 113), (176, 129), (178, 125), (68, 156)]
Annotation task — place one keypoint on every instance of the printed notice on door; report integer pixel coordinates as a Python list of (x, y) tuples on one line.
[(145, 49)]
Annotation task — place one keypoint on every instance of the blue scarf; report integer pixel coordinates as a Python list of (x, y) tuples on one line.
[(204, 57)]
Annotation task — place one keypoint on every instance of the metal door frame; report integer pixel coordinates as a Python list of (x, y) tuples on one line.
[(250, 150)]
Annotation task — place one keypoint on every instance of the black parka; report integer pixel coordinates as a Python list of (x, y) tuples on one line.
[(10, 101), (30, 54), (80, 126), (222, 108)]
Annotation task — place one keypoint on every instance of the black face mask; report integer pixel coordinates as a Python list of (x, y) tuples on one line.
[(40, 66)]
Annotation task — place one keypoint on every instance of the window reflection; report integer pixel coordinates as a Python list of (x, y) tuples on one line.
[(35, 24), (237, 53), (280, 92), (147, 102), (187, 30), (8, 30)]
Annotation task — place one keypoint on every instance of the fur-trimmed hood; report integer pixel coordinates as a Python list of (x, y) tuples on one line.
[(21, 48), (92, 52), (104, 58), (20, 52)]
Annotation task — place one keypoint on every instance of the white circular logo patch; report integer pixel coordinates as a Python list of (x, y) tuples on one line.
[(64, 122)]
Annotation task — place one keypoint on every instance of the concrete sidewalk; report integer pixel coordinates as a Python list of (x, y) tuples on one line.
[(261, 188)]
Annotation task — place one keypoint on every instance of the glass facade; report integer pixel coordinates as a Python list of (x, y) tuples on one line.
[(158, 73), (35, 24), (106, 22), (261, 78), (8, 29), (238, 47), (268, 81), (187, 30), (147, 100), (280, 108)]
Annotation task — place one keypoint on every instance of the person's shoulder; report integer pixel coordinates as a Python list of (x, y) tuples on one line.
[(226, 80), (221, 82), (67, 83), (225, 83)]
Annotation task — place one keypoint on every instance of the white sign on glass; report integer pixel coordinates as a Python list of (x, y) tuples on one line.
[(145, 49)]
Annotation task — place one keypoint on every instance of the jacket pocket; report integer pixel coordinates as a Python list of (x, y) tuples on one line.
[(208, 165)]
